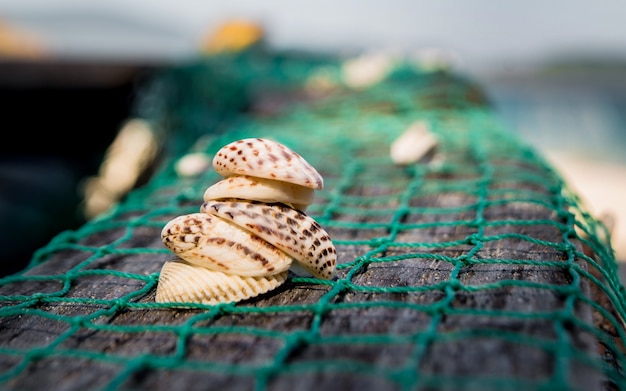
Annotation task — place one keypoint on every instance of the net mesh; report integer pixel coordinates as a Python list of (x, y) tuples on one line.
[(476, 268)]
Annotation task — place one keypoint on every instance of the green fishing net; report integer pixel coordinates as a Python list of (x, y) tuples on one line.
[(473, 268)]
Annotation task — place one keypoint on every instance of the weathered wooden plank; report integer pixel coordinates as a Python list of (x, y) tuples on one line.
[(474, 357), (474, 281)]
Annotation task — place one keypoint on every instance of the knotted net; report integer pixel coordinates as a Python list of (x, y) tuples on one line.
[(474, 268)]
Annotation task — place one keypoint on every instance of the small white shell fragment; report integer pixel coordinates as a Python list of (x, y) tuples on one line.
[(288, 229), (265, 158), (412, 145), (192, 164), (219, 245), (182, 282), (261, 189), (367, 69)]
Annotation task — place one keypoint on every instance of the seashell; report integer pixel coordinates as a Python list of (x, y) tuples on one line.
[(288, 229), (217, 244), (367, 69), (250, 230), (268, 159), (412, 145), (182, 282), (192, 164), (261, 189)]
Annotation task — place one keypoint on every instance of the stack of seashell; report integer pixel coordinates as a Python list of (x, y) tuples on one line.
[(250, 229)]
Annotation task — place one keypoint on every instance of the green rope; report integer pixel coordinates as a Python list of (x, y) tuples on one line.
[(373, 209)]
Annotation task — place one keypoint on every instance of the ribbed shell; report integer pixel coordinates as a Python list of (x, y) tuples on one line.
[(181, 282), (288, 229), (265, 158), (220, 245)]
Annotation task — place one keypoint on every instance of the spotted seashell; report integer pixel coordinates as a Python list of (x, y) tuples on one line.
[(261, 189), (182, 282), (219, 245), (288, 229), (265, 158)]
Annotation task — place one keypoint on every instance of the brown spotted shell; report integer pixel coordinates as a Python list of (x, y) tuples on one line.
[(288, 229), (265, 158), (216, 244), (182, 282)]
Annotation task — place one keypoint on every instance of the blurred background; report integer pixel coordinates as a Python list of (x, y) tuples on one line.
[(555, 72)]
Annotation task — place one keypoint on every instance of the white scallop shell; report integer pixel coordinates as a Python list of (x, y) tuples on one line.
[(288, 229), (412, 145), (181, 282), (261, 189), (265, 158), (216, 244), (192, 164)]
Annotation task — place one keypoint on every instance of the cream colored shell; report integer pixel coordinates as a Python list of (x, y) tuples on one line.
[(288, 229), (261, 189), (182, 282), (413, 144), (216, 244), (268, 159)]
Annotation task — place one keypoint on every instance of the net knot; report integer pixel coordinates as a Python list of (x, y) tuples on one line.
[(474, 238), (119, 304), (377, 242), (455, 284), (38, 296)]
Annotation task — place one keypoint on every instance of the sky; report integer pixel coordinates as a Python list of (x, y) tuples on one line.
[(478, 32)]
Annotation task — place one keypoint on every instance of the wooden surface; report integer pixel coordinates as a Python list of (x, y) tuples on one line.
[(474, 357), (471, 334)]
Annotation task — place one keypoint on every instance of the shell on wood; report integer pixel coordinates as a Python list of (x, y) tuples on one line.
[(250, 230), (290, 230), (182, 282), (265, 158), (261, 189), (217, 244), (413, 144)]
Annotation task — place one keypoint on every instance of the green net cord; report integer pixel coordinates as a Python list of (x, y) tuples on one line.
[(482, 246)]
